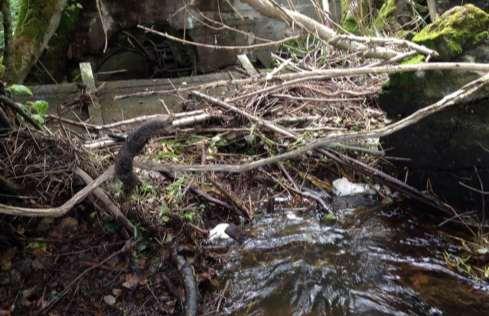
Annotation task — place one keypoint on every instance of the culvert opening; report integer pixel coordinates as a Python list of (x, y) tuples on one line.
[(136, 54)]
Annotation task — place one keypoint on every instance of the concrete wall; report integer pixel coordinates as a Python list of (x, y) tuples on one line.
[(125, 14)]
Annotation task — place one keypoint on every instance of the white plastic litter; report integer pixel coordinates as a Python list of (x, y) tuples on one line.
[(293, 217), (218, 232), (343, 186)]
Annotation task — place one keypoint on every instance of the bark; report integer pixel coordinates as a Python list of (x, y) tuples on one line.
[(37, 22), (7, 33)]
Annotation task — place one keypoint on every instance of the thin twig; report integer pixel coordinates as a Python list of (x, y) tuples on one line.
[(240, 47)]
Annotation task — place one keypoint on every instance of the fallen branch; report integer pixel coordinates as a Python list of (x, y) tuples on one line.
[(16, 108), (109, 205), (320, 75), (180, 120), (335, 138), (239, 47), (233, 198), (390, 40), (191, 288), (322, 31), (63, 209), (132, 121), (330, 73)]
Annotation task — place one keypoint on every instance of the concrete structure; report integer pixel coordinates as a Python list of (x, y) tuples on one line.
[(192, 20)]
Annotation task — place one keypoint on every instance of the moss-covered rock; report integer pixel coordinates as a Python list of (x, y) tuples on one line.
[(461, 34), (445, 148), (445, 5), (456, 31)]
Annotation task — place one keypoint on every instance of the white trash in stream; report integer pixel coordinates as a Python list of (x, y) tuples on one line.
[(343, 186), (219, 232)]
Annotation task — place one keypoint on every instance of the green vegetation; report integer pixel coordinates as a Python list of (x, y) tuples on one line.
[(457, 29), (386, 15), (37, 109)]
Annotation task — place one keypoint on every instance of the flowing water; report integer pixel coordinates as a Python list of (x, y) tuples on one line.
[(369, 262)]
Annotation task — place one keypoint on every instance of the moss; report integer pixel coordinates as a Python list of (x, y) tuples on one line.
[(54, 57), (416, 59), (2, 68), (456, 30), (351, 25), (34, 18), (33, 21)]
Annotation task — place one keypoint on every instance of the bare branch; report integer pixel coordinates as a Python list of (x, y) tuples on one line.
[(241, 47), (320, 75)]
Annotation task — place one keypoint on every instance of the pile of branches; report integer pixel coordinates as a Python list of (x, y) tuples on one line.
[(282, 134), (39, 166)]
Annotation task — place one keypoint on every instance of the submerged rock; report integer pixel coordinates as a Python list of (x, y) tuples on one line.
[(451, 147)]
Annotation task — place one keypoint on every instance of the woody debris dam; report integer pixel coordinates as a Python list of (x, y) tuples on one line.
[(244, 156)]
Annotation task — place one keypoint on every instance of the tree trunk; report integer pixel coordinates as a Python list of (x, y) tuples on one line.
[(37, 22), (7, 34)]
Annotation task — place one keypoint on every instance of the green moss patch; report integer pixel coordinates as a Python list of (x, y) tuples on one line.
[(456, 30)]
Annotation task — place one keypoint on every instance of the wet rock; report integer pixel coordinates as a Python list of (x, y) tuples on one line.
[(449, 147), (109, 300), (354, 201)]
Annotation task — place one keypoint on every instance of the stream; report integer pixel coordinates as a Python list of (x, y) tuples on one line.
[(368, 262)]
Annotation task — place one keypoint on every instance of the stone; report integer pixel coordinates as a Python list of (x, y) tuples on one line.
[(69, 224), (109, 300), (452, 146)]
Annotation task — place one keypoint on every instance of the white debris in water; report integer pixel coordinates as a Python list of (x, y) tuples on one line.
[(282, 199), (219, 232), (292, 216), (343, 186)]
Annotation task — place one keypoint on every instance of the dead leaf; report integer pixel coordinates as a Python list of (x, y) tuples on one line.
[(6, 258), (133, 280)]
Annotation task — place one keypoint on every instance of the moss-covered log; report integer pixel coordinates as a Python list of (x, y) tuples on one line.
[(38, 20)]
